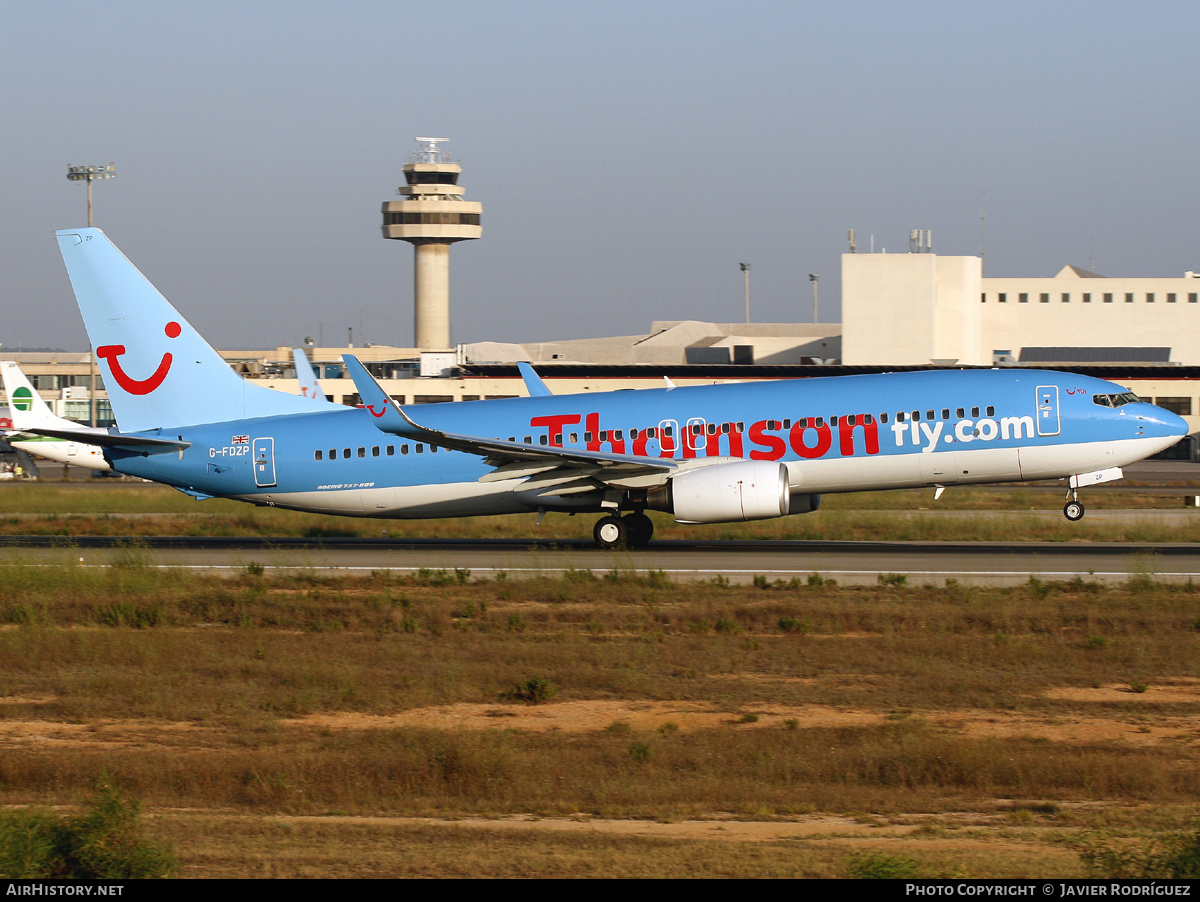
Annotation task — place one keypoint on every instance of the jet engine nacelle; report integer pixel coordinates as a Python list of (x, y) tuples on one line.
[(724, 493)]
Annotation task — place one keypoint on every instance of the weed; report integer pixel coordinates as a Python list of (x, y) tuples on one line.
[(1138, 687), (895, 580), (105, 842), (879, 866), (726, 624), (795, 625), (127, 613), (639, 751), (1174, 858), (533, 691), (1142, 568)]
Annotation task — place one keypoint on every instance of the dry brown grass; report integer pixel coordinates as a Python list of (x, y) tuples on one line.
[(930, 708)]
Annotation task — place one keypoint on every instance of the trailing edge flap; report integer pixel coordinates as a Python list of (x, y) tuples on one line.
[(533, 382), (512, 459), (139, 444)]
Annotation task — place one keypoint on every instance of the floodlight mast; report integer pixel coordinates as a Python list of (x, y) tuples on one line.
[(89, 174), (746, 277)]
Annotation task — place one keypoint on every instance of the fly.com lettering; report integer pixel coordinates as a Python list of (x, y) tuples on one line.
[(810, 438)]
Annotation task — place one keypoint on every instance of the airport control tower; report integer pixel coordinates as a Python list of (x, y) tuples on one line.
[(432, 216)]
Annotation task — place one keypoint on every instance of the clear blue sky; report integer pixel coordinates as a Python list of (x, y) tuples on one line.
[(627, 155)]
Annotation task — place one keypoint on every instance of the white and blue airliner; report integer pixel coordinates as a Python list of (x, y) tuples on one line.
[(706, 454)]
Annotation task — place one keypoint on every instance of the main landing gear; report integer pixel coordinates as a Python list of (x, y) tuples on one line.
[(631, 531), (1073, 510)]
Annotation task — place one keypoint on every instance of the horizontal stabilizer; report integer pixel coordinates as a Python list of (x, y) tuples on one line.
[(138, 444)]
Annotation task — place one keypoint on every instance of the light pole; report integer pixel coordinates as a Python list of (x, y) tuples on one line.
[(746, 274), (814, 278), (89, 174)]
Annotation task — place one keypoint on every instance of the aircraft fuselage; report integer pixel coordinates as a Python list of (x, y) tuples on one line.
[(834, 434)]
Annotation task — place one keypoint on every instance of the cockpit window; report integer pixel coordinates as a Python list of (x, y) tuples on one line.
[(1117, 400)]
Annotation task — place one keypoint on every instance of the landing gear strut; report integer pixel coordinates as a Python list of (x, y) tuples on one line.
[(1073, 510), (632, 530)]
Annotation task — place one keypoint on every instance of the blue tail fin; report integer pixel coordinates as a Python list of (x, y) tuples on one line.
[(158, 371), (309, 386)]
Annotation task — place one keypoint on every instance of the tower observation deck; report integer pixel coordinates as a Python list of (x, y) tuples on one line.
[(431, 217)]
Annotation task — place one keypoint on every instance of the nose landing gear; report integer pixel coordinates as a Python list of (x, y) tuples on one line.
[(1073, 510)]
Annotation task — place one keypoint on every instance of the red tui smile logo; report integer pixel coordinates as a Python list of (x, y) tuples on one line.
[(127, 382)]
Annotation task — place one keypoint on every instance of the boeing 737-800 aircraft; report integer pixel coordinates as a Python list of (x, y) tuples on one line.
[(706, 454)]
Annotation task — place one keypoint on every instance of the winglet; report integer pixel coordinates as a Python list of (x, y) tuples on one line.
[(386, 413), (533, 382)]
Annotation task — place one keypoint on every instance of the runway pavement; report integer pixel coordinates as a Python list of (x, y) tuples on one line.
[(852, 563), (739, 562)]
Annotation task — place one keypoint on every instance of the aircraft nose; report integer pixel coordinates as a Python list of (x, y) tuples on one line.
[(1177, 424), (1168, 423)]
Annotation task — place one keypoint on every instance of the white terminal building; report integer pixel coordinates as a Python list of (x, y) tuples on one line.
[(899, 310)]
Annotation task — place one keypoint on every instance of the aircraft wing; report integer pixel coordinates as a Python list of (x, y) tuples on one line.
[(139, 444), (567, 470)]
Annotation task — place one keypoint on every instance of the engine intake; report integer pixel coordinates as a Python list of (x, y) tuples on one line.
[(726, 493)]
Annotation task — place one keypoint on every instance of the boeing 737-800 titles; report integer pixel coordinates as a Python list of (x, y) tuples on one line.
[(706, 454)]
